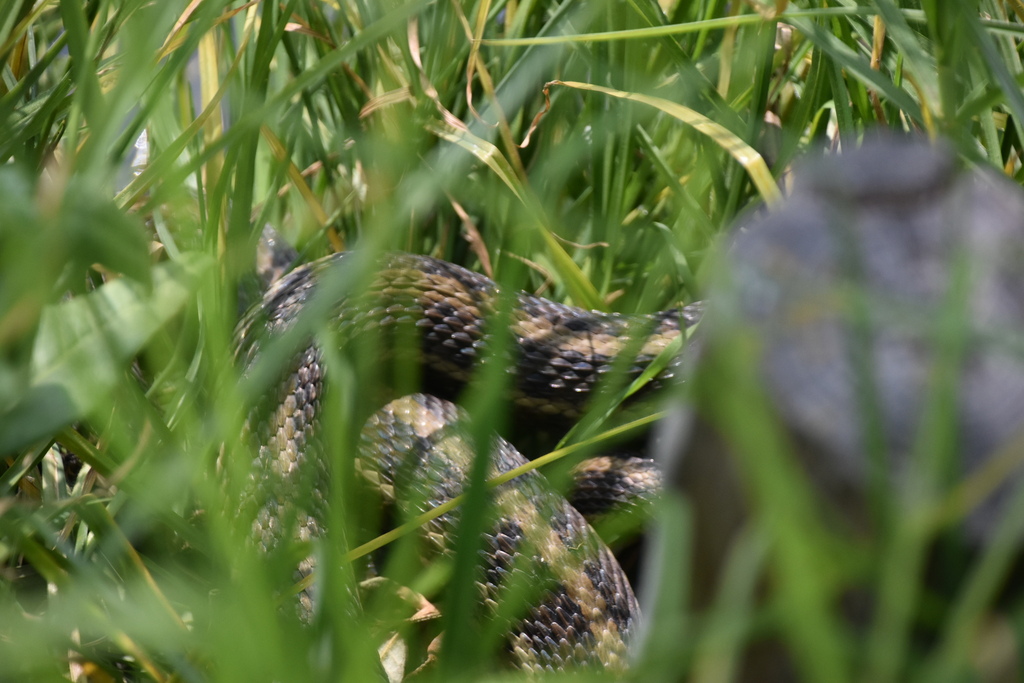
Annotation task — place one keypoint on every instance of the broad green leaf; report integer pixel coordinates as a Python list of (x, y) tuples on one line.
[(83, 345)]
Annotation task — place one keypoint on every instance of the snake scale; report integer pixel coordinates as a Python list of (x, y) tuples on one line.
[(415, 452)]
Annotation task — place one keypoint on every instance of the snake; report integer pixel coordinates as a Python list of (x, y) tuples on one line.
[(848, 294), (416, 452)]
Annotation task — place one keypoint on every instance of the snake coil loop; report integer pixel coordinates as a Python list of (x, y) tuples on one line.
[(411, 449)]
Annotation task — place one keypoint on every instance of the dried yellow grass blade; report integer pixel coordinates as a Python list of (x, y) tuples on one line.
[(280, 153), (746, 155), (580, 288), (482, 150)]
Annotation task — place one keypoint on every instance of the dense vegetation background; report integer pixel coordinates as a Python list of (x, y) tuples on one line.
[(591, 151)]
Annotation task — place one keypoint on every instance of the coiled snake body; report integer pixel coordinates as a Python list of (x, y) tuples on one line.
[(415, 452), (889, 278)]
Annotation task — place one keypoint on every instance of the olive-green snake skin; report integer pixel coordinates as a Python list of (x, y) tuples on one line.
[(415, 452)]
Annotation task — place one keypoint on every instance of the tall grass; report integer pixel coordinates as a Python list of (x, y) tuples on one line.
[(377, 126)]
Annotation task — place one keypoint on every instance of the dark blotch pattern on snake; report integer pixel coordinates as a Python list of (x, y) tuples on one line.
[(415, 450), (587, 611)]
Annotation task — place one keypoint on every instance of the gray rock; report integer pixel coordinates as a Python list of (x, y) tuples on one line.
[(888, 269)]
